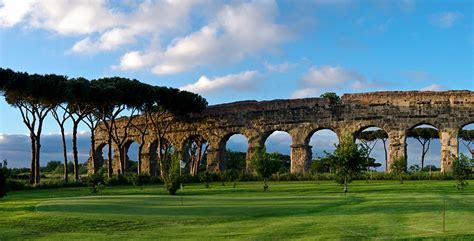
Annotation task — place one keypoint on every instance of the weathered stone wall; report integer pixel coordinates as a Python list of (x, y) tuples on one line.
[(395, 112)]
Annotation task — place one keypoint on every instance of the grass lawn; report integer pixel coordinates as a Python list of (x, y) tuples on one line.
[(289, 210)]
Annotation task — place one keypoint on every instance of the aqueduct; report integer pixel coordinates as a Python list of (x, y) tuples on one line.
[(394, 112)]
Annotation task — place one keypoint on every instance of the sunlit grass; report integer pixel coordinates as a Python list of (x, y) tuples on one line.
[(296, 210)]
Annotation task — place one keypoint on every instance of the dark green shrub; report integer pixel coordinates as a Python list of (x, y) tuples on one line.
[(16, 185), (117, 180), (3, 184), (205, 177), (139, 179), (173, 183), (96, 182), (462, 170)]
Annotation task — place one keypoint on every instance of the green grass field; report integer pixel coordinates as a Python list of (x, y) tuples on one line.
[(289, 210)]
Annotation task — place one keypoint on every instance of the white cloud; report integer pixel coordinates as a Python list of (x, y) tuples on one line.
[(91, 17), (110, 40), (434, 87), (71, 17), (235, 32), (13, 11), (305, 92), (280, 68), (446, 19), (241, 81), (330, 76), (317, 80), (227, 32)]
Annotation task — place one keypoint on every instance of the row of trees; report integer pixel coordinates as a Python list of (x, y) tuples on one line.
[(424, 135), (99, 102)]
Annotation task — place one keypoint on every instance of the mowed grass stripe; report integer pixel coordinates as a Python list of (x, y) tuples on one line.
[(290, 210)]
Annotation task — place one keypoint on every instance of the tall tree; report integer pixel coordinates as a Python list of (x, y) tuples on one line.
[(423, 135), (166, 105), (348, 160), (467, 139), (142, 128), (370, 138), (78, 98), (265, 164), (35, 96), (60, 114), (196, 152)]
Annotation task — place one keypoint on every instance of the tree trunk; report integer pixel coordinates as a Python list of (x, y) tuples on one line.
[(33, 159), (385, 152), (74, 150), (63, 138), (122, 159), (345, 186), (109, 156), (94, 160), (37, 160), (139, 159)]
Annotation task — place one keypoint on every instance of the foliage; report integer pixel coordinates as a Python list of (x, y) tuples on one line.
[(423, 135), (331, 96), (347, 161), (89, 101), (171, 176), (96, 182), (118, 179), (414, 168), (139, 179), (265, 164), (3, 183), (462, 169), (51, 166), (398, 168), (206, 178), (235, 160), (430, 168)]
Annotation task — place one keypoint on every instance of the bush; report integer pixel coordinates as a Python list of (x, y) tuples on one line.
[(205, 177), (117, 180), (139, 179), (172, 183), (462, 171), (96, 182), (3, 184)]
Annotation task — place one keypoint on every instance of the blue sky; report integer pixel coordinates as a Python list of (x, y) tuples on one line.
[(237, 50)]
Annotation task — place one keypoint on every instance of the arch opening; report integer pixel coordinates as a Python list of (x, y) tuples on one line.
[(235, 154), (160, 156), (132, 156), (195, 155), (102, 159), (279, 143), (466, 140), (375, 141), (423, 148), (322, 141)]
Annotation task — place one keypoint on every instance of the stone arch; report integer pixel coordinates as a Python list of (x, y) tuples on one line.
[(101, 156), (154, 157), (223, 148), (315, 143), (129, 167), (313, 131), (466, 146), (195, 154), (96, 161), (412, 159), (466, 124), (378, 148)]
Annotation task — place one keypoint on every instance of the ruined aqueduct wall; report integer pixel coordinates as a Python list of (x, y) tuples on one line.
[(394, 112)]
